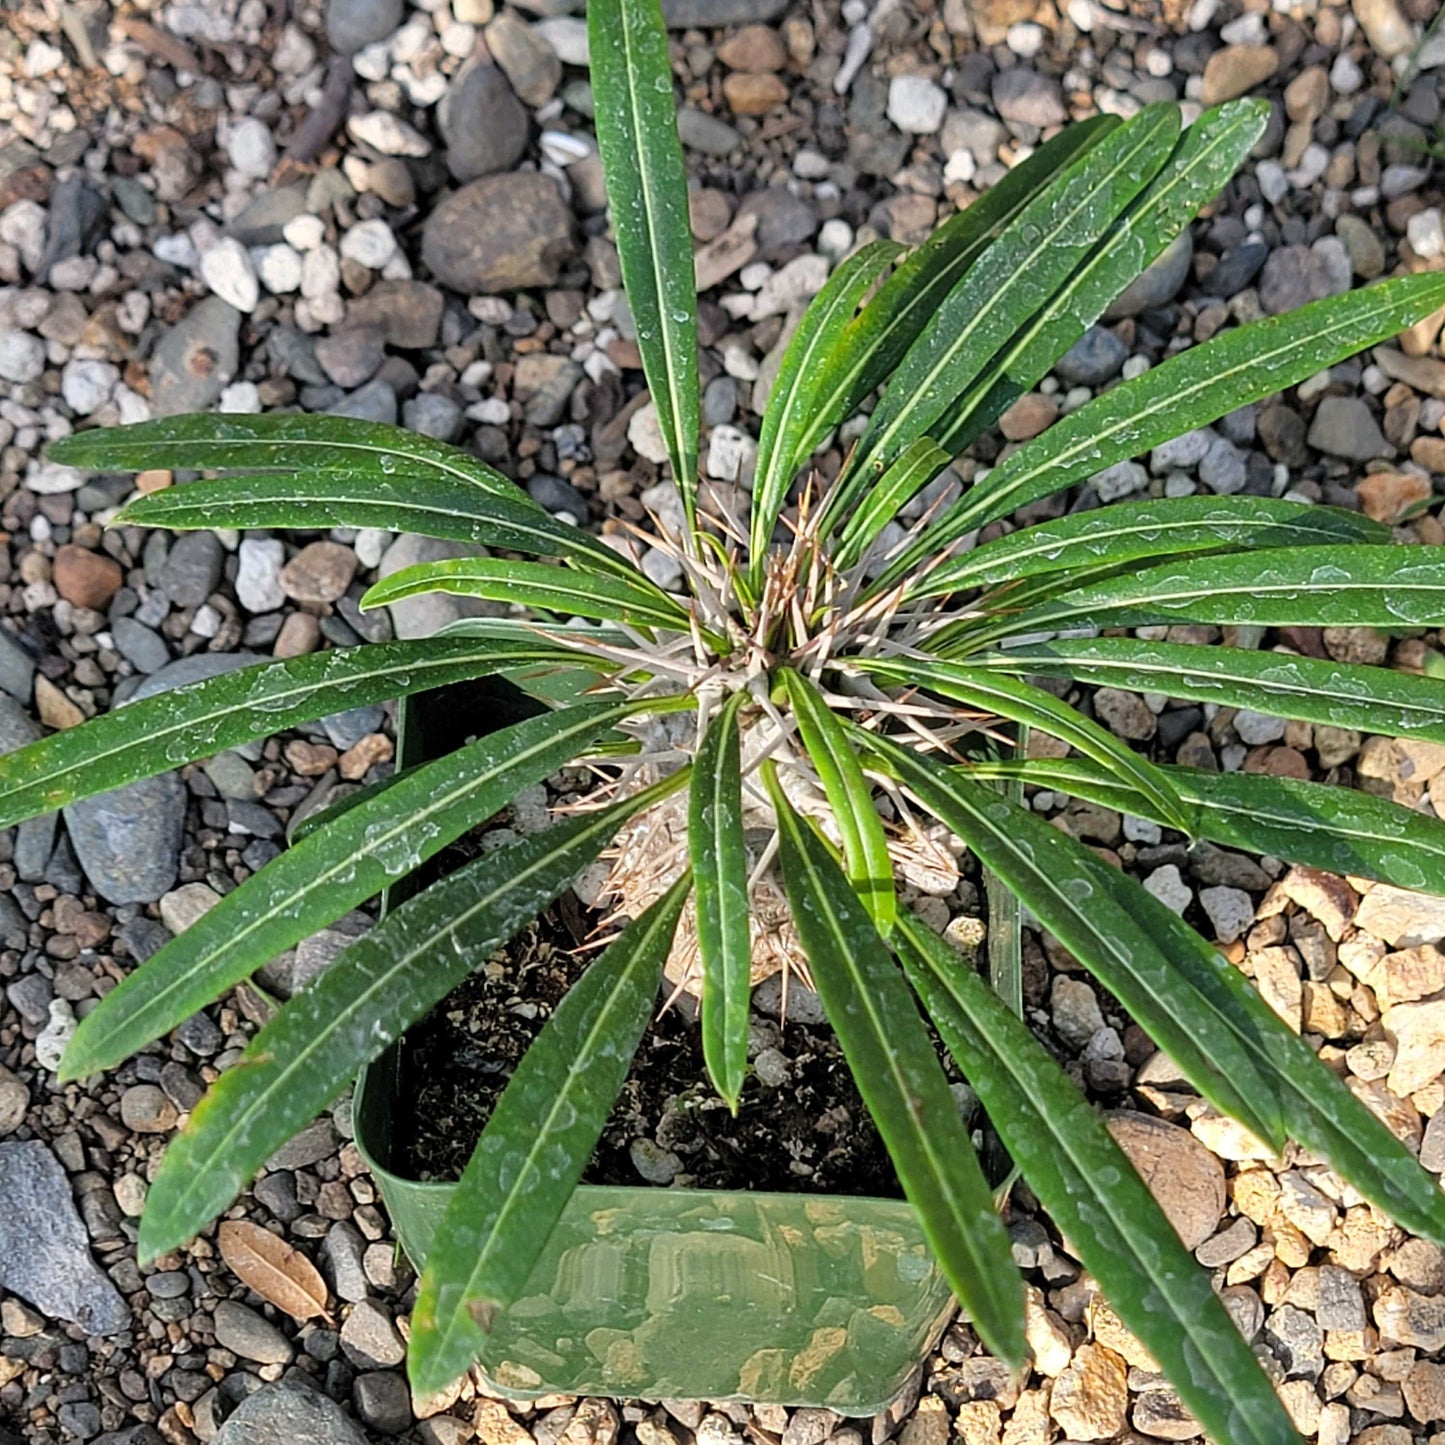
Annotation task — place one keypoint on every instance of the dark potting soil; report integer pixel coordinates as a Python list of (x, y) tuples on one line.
[(809, 1134)]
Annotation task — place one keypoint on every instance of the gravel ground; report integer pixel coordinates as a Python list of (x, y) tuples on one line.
[(396, 213)]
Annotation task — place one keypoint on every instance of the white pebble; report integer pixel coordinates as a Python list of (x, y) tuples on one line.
[(835, 238), (1025, 39), (1425, 235), (42, 59), (1169, 888), (389, 134), (251, 148), (916, 104), (241, 398), (370, 243), (22, 356), (320, 273), (258, 577), (87, 385), (226, 269), (278, 267), (1346, 77), (732, 455), (304, 232)]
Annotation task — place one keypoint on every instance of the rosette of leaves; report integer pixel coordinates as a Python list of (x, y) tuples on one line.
[(823, 687)]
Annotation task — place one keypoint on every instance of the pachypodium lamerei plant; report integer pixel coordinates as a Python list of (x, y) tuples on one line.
[(822, 688)]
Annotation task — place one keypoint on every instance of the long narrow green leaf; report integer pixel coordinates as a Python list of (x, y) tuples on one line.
[(634, 601), (1131, 531), (899, 1077), (888, 325), (281, 442), (1004, 289), (1189, 390), (1123, 942), (172, 728), (1315, 690), (320, 877), (789, 417), (719, 857), (1021, 702), (1100, 1203), (381, 985), (850, 798), (921, 461), (1208, 154), (647, 197), (442, 506), (534, 1149), (1331, 586), (1338, 830)]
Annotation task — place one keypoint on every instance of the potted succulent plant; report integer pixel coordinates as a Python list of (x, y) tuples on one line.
[(772, 730)]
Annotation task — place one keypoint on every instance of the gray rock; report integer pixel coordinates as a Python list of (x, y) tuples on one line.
[(30, 997), (17, 669), (265, 215), (1297, 1342), (1023, 96), (499, 233), (145, 650), (288, 1414), (197, 668), (1344, 427), (383, 1401), (128, 842), (484, 125), (345, 1250), (44, 1248), (195, 358), (346, 729), (557, 495), (17, 727), (245, 1333), (685, 14), (1342, 1302), (1224, 469), (352, 24), (34, 844), (369, 1339), (350, 357), (1096, 357), (1292, 276), (433, 415), (408, 312), (1159, 282), (376, 401), (192, 569), (699, 131), (77, 215), (1237, 268)]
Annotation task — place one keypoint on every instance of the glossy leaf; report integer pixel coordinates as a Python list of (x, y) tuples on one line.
[(850, 797), (1333, 586), (531, 1155), (1189, 390), (1131, 531), (647, 198), (1021, 702), (1099, 1202), (171, 728), (284, 442), (921, 461), (1314, 690), (1123, 942), (635, 601), (877, 338), (789, 418), (1004, 289), (1207, 155), (719, 858), (1336, 829), (366, 999), (361, 850), (444, 507), (899, 1077)]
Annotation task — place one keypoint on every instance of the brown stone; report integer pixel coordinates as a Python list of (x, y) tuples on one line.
[(55, 709), (1387, 496), (85, 578), (1237, 69), (319, 572), (754, 94), (358, 760), (757, 49), (1028, 416), (1186, 1179)]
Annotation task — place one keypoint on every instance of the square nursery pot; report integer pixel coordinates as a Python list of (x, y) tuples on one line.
[(655, 1293)]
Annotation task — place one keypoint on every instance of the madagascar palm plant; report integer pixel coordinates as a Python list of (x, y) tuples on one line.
[(821, 689)]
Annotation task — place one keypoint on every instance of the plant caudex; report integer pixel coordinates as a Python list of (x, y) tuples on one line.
[(801, 722)]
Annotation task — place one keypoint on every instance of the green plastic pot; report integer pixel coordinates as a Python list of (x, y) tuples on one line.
[(677, 1293)]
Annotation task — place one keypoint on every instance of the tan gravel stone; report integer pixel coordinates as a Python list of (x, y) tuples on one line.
[(1048, 1336), (1401, 917), (1161, 1415), (1235, 69), (1090, 1397), (929, 1424), (979, 1422), (1407, 1318)]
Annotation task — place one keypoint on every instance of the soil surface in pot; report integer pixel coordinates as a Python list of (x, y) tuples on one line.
[(808, 1133)]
